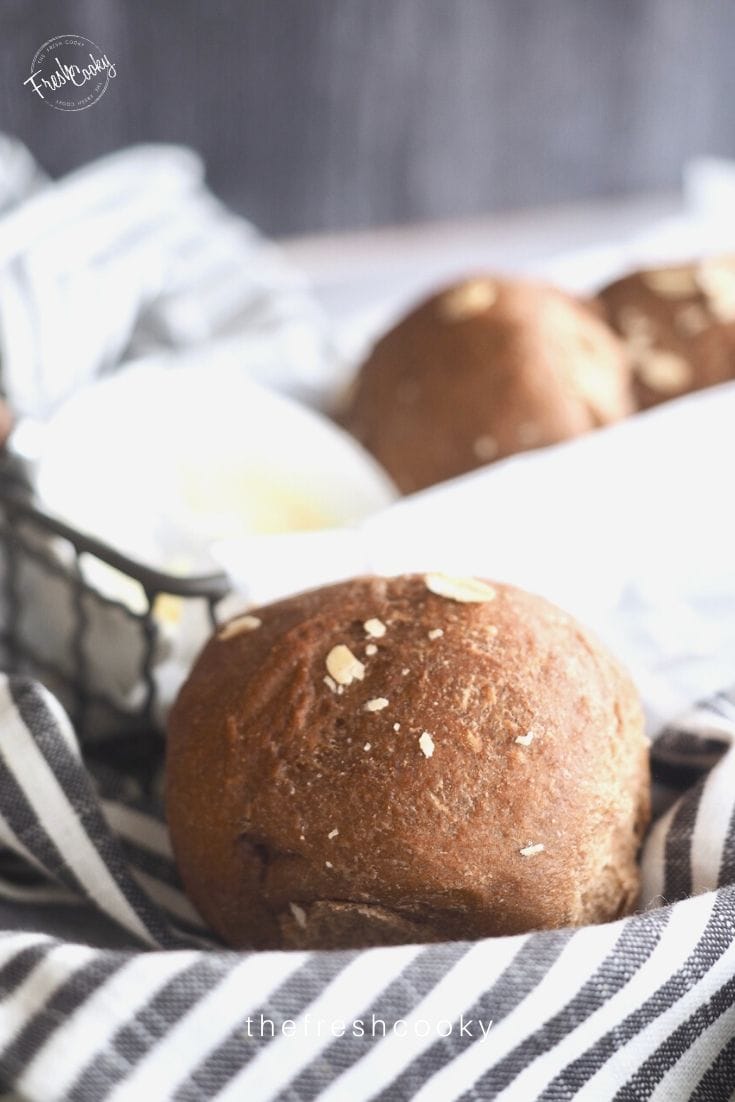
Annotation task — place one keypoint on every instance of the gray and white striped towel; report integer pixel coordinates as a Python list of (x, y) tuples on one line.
[(111, 989), (131, 255)]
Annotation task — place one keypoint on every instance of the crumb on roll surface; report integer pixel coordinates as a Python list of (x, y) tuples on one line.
[(392, 760)]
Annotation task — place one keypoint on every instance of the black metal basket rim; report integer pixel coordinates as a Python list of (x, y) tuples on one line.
[(212, 586)]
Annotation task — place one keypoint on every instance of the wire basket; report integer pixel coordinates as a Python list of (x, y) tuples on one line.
[(60, 628)]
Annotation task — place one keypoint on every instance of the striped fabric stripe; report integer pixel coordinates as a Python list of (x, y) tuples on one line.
[(626, 957), (496, 998), (187, 1037), (88, 1032), (640, 1009), (287, 1002), (55, 805), (405, 992), (718, 1081)]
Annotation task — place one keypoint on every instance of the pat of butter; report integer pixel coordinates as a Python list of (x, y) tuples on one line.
[(229, 503)]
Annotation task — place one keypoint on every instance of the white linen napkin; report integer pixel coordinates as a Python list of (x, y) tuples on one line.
[(133, 254)]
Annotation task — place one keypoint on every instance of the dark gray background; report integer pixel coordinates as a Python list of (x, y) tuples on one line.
[(317, 114)]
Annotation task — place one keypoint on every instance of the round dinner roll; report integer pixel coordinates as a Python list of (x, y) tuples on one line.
[(410, 759), (483, 369), (679, 325)]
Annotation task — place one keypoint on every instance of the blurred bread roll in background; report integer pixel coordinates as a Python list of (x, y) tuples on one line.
[(481, 370), (679, 326)]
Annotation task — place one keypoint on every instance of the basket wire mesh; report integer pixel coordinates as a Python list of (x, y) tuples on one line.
[(43, 559)]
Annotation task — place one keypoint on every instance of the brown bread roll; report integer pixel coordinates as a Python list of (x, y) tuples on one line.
[(482, 370), (679, 325), (391, 760)]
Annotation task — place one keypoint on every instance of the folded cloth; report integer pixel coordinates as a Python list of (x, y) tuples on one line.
[(141, 1004), (132, 254)]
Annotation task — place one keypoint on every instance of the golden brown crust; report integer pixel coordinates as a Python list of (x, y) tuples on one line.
[(679, 324), (484, 369), (303, 815)]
